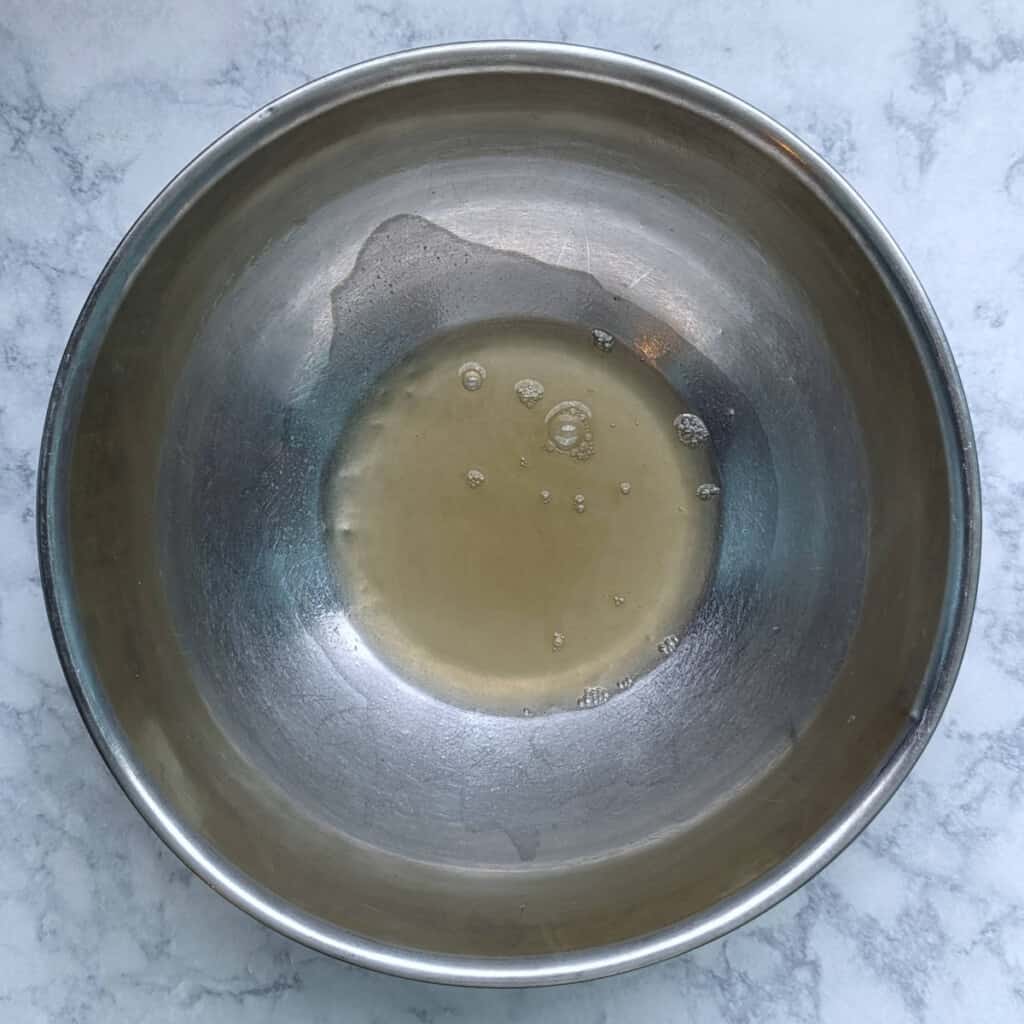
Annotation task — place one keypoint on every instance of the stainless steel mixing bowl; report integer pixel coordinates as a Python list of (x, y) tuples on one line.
[(208, 380)]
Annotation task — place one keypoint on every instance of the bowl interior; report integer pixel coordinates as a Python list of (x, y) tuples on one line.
[(199, 569)]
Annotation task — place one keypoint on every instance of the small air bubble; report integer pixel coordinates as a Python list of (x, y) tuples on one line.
[(619, 600), (527, 713), (691, 430), (669, 644), (624, 684), (472, 376), (603, 341), (708, 491), (579, 503), (545, 496), (474, 478), (557, 641), (592, 697), (523, 462), (625, 487)]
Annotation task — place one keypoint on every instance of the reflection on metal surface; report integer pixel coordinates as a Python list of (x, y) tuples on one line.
[(651, 347)]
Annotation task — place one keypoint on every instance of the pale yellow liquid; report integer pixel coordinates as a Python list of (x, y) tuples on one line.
[(461, 588)]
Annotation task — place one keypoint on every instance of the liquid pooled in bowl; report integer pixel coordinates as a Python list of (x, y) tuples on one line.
[(515, 524)]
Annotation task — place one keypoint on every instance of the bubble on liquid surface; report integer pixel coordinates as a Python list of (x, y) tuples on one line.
[(570, 429), (625, 487), (625, 683), (691, 430), (708, 491), (529, 391), (669, 644), (592, 697), (603, 341), (472, 376), (474, 478), (557, 641)]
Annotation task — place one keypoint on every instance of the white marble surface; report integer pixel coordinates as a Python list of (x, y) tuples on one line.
[(919, 104)]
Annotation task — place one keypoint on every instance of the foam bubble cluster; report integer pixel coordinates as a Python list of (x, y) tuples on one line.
[(592, 697), (669, 644), (570, 429), (529, 391), (691, 430)]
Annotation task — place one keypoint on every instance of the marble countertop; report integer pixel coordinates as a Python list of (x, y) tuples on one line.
[(919, 104)]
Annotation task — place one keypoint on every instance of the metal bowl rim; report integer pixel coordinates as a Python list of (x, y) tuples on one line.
[(236, 145)]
